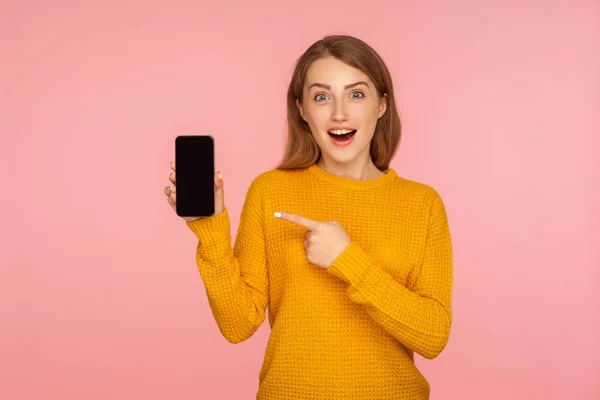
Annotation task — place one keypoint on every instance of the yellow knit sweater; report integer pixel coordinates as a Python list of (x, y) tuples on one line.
[(350, 331)]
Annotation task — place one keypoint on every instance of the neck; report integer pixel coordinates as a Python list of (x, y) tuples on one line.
[(357, 170)]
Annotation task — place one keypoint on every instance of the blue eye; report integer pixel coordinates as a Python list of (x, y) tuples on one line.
[(316, 98)]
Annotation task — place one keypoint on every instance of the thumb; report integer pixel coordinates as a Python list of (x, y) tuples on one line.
[(219, 194)]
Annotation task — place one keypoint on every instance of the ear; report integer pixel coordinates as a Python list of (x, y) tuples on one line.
[(382, 105), (299, 105)]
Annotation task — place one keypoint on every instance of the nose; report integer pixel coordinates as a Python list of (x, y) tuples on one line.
[(339, 111)]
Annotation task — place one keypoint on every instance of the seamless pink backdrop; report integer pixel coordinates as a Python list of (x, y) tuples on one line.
[(100, 296)]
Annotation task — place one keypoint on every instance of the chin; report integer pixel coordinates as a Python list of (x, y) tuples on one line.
[(341, 156)]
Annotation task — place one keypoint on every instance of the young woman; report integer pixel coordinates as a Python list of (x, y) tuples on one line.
[(353, 261)]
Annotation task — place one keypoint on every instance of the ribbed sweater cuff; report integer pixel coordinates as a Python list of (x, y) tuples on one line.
[(211, 230), (352, 265)]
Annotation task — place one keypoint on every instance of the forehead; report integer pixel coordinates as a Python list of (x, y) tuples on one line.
[(331, 71)]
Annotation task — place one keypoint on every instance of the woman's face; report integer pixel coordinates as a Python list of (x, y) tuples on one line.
[(340, 97)]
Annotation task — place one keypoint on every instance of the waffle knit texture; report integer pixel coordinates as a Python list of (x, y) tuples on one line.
[(349, 331)]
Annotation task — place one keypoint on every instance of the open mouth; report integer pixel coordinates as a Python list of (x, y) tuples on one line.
[(342, 136)]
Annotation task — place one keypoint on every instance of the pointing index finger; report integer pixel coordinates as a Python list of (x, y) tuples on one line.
[(298, 219)]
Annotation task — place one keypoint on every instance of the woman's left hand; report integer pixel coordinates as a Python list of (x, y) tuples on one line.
[(324, 241)]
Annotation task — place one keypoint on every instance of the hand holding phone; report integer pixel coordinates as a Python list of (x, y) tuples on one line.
[(197, 190)]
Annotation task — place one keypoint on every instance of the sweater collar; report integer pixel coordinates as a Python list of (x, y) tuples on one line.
[(352, 184)]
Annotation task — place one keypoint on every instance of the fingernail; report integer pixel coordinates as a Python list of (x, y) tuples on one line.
[(277, 214), (172, 186), (220, 177)]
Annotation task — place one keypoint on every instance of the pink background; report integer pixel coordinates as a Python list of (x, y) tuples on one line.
[(100, 296)]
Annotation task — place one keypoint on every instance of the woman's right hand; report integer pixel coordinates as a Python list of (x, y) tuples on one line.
[(170, 191)]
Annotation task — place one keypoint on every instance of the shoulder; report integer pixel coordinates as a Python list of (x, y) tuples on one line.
[(417, 189), (420, 195), (276, 177), (273, 179)]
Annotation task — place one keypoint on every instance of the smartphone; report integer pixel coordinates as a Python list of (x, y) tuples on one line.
[(194, 174)]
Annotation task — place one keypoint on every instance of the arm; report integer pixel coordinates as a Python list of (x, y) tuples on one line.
[(419, 317), (235, 279)]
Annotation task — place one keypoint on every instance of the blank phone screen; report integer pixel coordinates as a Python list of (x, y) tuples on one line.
[(194, 174)]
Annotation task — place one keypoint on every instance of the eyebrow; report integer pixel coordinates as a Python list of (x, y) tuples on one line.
[(328, 87)]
